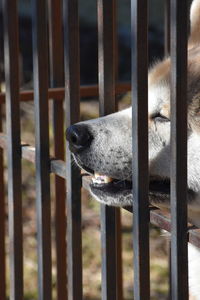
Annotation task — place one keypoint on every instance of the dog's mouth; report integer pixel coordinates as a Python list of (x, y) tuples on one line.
[(105, 182), (118, 192), (109, 185), (111, 191)]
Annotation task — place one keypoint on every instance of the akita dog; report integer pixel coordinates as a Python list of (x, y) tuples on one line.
[(103, 146)]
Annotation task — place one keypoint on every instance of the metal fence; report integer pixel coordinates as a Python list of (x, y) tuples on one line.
[(50, 53)]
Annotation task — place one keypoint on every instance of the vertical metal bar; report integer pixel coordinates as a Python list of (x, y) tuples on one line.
[(40, 64), (2, 223), (167, 52), (57, 80), (179, 267), (139, 17), (2, 212), (106, 48), (119, 261), (167, 27), (72, 96), (108, 245), (11, 57)]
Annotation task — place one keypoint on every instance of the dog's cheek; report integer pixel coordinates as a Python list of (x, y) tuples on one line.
[(115, 164)]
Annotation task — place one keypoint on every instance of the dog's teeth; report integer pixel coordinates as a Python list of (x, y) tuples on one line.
[(107, 179), (96, 175), (98, 178)]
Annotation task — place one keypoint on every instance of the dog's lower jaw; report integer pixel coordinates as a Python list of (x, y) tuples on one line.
[(127, 200), (119, 193), (119, 200)]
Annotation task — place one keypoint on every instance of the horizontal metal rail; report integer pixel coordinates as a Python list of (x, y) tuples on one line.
[(59, 93), (58, 167)]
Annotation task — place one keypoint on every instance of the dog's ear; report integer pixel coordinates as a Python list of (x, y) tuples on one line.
[(194, 114), (194, 23)]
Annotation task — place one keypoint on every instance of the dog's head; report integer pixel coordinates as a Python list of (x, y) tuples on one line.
[(103, 146)]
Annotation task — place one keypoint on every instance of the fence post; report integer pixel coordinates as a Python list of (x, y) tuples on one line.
[(72, 100), (111, 287), (11, 59), (57, 80), (179, 262), (2, 219), (167, 27), (40, 76), (139, 26)]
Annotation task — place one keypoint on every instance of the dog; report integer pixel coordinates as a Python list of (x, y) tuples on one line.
[(103, 146)]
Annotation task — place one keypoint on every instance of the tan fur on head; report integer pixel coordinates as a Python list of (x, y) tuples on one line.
[(194, 113), (195, 23), (160, 73)]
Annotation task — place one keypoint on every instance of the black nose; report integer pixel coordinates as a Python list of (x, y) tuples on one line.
[(78, 137)]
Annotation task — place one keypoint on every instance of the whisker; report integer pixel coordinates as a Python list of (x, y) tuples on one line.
[(74, 164), (122, 181)]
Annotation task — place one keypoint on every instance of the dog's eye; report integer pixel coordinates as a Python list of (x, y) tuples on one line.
[(157, 117)]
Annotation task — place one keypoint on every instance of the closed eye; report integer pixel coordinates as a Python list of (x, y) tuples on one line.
[(157, 117)]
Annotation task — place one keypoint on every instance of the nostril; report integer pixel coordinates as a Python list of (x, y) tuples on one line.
[(78, 137), (74, 138)]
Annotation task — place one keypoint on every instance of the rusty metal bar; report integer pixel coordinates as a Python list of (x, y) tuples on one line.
[(118, 225), (59, 93), (11, 57), (166, 53), (56, 80), (167, 27), (179, 263), (72, 96), (106, 49), (139, 18), (2, 222), (2, 213), (40, 75), (107, 74)]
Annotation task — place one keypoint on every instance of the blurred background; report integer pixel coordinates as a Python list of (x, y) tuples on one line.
[(88, 38), (89, 109)]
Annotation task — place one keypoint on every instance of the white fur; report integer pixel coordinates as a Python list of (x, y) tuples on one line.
[(157, 96)]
